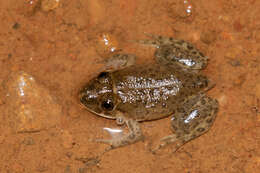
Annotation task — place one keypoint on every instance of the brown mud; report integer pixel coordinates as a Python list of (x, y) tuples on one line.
[(58, 43)]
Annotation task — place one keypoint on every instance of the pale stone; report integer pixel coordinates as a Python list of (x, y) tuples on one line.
[(29, 105)]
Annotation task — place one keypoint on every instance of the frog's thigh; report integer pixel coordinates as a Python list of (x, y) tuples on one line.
[(134, 135), (119, 61), (195, 117), (191, 120)]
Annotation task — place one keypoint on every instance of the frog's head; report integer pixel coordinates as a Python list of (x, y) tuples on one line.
[(97, 95)]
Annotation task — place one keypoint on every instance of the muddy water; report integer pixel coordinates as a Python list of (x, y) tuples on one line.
[(61, 45)]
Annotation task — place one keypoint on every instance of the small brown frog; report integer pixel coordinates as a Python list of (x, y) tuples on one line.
[(172, 86)]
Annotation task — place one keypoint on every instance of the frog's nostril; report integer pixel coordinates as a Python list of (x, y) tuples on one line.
[(83, 99)]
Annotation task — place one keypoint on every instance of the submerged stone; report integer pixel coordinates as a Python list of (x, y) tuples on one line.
[(29, 106)]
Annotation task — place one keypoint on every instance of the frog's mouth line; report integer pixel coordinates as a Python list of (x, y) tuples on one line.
[(100, 114), (105, 116)]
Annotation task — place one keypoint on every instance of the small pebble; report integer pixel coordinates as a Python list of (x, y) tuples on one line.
[(106, 44), (252, 165), (208, 37), (28, 141), (234, 52), (257, 90), (238, 26), (29, 7), (72, 111), (67, 139), (181, 9), (257, 35), (82, 170), (97, 11), (67, 169), (234, 62), (48, 5), (223, 100), (2, 139), (16, 26)]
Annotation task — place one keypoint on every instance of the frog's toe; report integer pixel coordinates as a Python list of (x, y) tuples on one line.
[(122, 141), (116, 134), (134, 135), (169, 138), (166, 141), (114, 143)]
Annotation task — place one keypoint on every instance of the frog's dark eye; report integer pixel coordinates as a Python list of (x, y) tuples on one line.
[(102, 75), (107, 105)]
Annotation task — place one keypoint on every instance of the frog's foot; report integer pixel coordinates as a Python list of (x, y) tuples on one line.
[(169, 140), (134, 135), (119, 61), (192, 119)]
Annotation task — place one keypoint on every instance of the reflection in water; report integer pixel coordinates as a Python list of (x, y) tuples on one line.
[(191, 116), (114, 132), (188, 7)]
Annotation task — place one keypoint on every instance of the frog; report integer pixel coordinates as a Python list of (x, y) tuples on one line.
[(173, 86)]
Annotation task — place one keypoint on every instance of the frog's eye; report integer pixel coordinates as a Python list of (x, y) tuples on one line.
[(107, 105), (102, 75)]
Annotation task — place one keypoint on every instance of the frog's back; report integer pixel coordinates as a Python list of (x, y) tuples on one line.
[(147, 92)]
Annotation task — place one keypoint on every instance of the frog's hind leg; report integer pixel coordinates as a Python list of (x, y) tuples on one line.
[(192, 119), (134, 135), (178, 52)]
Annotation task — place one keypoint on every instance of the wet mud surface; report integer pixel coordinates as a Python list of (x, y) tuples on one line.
[(60, 45)]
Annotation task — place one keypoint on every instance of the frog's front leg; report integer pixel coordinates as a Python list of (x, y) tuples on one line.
[(192, 119), (173, 51), (119, 61), (134, 134)]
